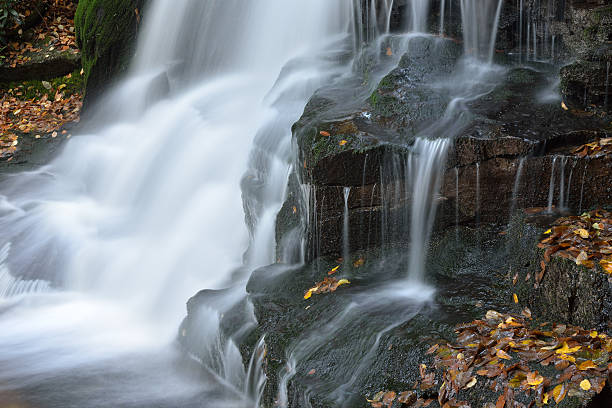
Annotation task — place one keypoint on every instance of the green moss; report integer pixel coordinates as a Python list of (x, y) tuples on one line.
[(105, 30)]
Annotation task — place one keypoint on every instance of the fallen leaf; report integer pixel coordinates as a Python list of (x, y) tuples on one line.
[(324, 133), (585, 384), (342, 142)]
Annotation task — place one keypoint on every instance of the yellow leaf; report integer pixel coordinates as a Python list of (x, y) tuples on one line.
[(343, 282), (586, 365), (308, 294), (593, 334), (582, 232), (342, 142), (585, 385), (333, 270), (597, 226), (62, 86), (515, 297), (559, 393), (471, 383), (548, 231), (534, 378), (545, 398), (566, 349), (567, 358), (502, 354), (563, 105), (294, 209)]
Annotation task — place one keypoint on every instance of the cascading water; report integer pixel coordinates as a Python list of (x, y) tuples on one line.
[(480, 19), (128, 223), (419, 14)]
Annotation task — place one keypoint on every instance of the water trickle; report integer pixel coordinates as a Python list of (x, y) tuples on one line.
[(346, 248), (584, 173), (442, 10), (521, 31), (562, 203), (477, 211), (551, 186), (569, 184), (517, 185), (480, 19), (419, 14), (457, 203), (607, 83)]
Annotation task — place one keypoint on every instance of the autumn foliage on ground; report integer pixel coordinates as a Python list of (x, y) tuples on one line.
[(521, 363), (585, 240), (40, 107)]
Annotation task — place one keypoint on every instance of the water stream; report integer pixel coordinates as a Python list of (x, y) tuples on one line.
[(180, 192), (128, 223)]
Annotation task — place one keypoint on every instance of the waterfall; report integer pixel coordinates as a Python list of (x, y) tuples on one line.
[(346, 248), (551, 185), (427, 171), (457, 203), (128, 223), (480, 20), (442, 10), (477, 211), (419, 15)]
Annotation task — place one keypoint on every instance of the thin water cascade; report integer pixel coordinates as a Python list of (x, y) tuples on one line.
[(419, 14), (551, 186), (480, 19), (457, 203), (521, 31), (477, 211), (427, 171), (517, 185), (346, 248), (562, 203), (607, 83), (584, 173), (442, 10)]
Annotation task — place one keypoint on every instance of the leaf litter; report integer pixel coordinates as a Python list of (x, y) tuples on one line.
[(516, 359)]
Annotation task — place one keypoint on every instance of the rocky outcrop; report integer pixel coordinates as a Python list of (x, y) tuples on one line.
[(106, 33), (53, 67), (518, 123), (567, 292)]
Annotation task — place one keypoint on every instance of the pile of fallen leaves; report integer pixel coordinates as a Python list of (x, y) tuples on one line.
[(584, 239), (521, 365), (38, 115), (55, 34), (597, 148)]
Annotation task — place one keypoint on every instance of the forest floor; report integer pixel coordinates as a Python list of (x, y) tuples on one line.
[(41, 84)]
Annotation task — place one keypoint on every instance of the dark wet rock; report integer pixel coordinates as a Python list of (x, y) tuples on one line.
[(55, 66), (408, 99), (583, 83), (516, 119), (358, 340), (568, 292)]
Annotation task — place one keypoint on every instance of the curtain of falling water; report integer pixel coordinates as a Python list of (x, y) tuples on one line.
[(129, 222)]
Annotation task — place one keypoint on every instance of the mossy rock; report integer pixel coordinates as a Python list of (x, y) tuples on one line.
[(106, 33)]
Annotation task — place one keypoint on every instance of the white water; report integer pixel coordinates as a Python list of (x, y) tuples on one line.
[(346, 247), (551, 186), (425, 165), (419, 14), (131, 221), (480, 20)]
